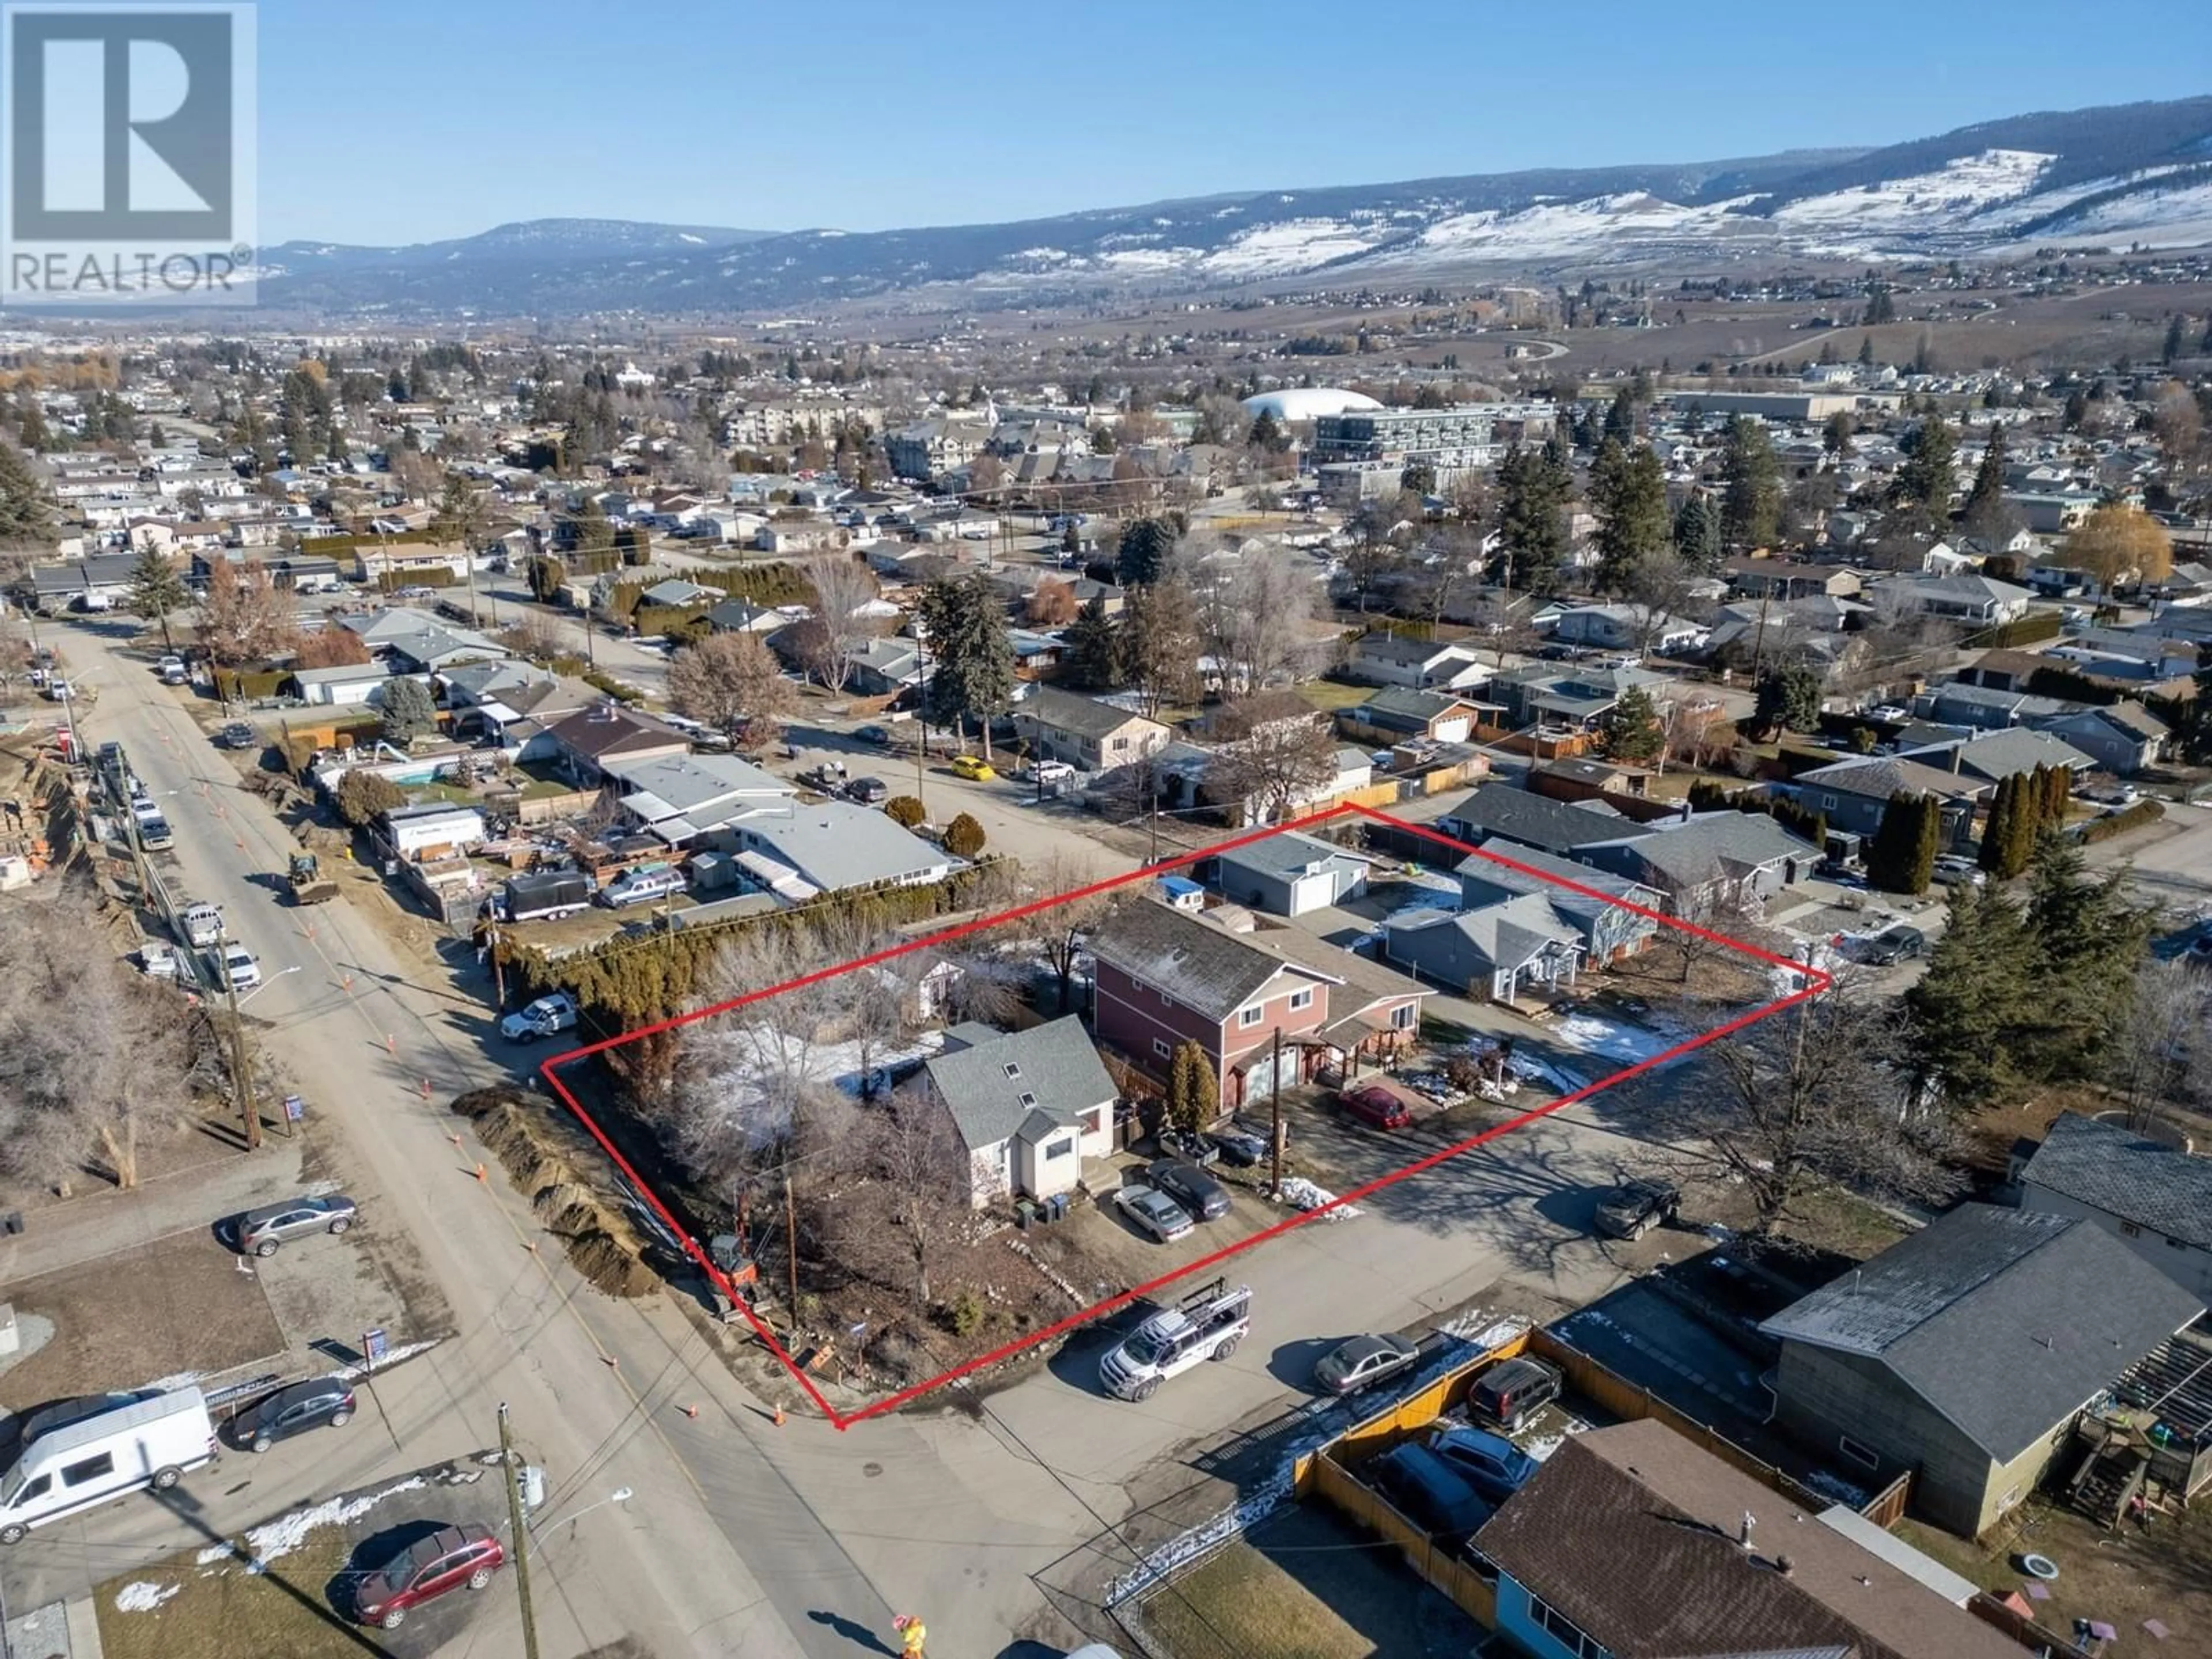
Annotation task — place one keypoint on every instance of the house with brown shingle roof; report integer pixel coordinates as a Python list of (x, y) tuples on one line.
[(1631, 1542)]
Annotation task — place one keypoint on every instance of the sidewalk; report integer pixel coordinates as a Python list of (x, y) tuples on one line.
[(101, 1223)]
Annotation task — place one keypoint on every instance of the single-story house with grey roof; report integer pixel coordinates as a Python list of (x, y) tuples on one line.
[(1028, 1107), (831, 846), (737, 615), (1502, 811), (1405, 713), (1995, 756), (1984, 707), (1288, 875), (1966, 1353), (2152, 1196), (1085, 733), (102, 576), (348, 686), (2123, 738), (1853, 795), (1499, 951), (1385, 659), (1610, 930), (689, 800), (1712, 860), (677, 593)]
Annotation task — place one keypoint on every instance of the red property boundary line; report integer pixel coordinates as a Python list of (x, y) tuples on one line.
[(1813, 982)]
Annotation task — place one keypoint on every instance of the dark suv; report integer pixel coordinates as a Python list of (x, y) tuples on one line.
[(1892, 945), (1509, 1393), (1206, 1198), (869, 792)]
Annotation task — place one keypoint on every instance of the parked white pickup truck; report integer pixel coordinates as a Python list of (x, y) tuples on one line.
[(1207, 1324)]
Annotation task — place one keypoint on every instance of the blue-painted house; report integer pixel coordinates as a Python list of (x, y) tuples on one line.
[(1632, 1543)]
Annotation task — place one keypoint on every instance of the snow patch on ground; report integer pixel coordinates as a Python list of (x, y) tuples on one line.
[(1302, 1195), (743, 1060), (1542, 1446), (274, 1540), (1289, 244), (1594, 1034), (1925, 201), (1478, 1328), (142, 1597), (392, 1356)]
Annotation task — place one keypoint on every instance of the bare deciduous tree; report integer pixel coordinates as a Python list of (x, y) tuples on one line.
[(732, 682), (88, 1053), (2169, 1020), (535, 638), (243, 617), (843, 587), (912, 1150), (1815, 1093), (1256, 616), (1268, 763)]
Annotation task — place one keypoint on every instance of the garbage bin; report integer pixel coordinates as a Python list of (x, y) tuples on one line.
[(1060, 1206), (1024, 1212)]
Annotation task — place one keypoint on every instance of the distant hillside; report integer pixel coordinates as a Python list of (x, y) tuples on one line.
[(2132, 171)]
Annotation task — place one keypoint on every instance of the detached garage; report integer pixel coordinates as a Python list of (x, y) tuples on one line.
[(1289, 875)]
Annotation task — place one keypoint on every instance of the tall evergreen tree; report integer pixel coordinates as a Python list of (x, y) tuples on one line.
[(971, 660), (1094, 647), (1985, 512), (2089, 942), (1141, 557), (2057, 789), (2175, 338), (1998, 831), (1632, 731), (1698, 533), (1628, 493), (1972, 997), (27, 511), (1532, 489), (1901, 857), (1751, 499), (156, 591), (1923, 485)]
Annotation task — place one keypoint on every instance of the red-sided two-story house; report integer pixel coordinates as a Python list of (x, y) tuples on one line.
[(1165, 977)]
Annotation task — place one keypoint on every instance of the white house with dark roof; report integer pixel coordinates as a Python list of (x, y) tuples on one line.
[(2152, 1197), (1028, 1107), (691, 800)]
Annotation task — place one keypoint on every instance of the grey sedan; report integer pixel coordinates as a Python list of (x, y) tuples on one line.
[(260, 1231), (1155, 1211), (1364, 1361)]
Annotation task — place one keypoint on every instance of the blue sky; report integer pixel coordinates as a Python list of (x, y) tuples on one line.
[(406, 120)]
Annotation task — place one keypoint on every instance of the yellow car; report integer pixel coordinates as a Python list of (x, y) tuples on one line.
[(973, 768)]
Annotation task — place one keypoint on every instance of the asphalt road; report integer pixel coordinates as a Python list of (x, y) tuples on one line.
[(715, 1554), (742, 1538)]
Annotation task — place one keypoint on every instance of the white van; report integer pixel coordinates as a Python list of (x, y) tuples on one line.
[(69, 1463)]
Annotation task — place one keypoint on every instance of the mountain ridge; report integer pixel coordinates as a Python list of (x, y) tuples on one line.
[(2124, 171)]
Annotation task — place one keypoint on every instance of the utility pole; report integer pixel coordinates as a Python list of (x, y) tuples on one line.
[(1275, 1112), (241, 1063), (498, 969), (513, 1477)]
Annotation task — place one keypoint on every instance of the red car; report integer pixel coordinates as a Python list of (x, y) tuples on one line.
[(427, 1569), (1377, 1105)]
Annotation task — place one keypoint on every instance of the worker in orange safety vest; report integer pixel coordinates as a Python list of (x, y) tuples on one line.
[(912, 1635)]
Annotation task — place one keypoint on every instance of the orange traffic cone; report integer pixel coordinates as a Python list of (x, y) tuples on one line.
[(691, 1411), (480, 1172), (778, 1419)]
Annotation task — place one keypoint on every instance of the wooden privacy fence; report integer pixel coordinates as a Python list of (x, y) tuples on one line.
[(1618, 1397)]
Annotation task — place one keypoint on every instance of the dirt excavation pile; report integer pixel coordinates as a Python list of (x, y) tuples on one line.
[(600, 1242)]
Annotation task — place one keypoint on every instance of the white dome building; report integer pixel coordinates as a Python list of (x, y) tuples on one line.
[(1307, 403)]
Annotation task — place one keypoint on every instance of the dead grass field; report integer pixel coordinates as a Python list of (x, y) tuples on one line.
[(2122, 1577), (1307, 1586), (178, 1305)]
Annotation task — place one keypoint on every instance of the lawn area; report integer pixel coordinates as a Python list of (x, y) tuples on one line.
[(1332, 1594), (1830, 1219), (2124, 1577), (285, 1587), (204, 1614), (1329, 695)]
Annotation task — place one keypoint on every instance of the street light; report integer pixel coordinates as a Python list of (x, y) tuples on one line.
[(619, 1495), (267, 981)]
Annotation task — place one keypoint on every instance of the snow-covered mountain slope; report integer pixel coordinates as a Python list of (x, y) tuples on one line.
[(2136, 172)]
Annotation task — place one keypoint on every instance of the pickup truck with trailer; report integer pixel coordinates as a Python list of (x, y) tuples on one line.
[(544, 897), (1207, 1324), (77, 1457)]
